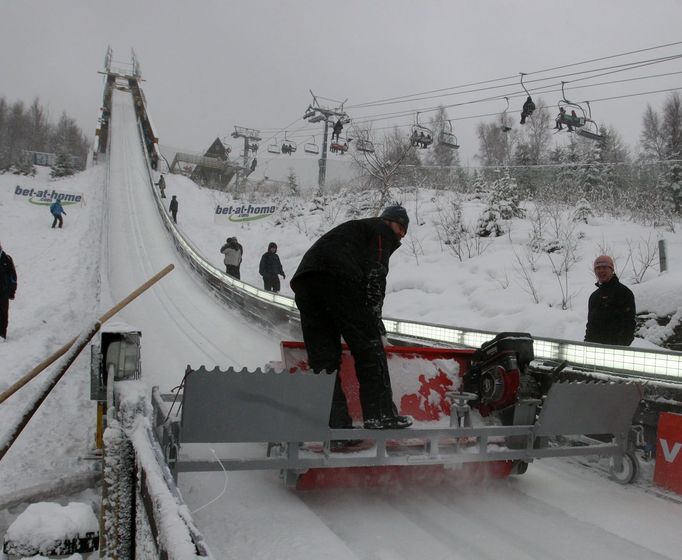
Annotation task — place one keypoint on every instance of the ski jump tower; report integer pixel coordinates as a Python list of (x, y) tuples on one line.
[(126, 77)]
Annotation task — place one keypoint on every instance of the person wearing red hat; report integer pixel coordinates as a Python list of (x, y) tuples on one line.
[(611, 308)]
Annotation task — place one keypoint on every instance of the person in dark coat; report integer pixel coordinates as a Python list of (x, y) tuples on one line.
[(611, 308), (233, 252), (336, 131), (527, 110), (340, 286), (56, 210), (270, 268), (162, 186), (8, 287), (173, 207)]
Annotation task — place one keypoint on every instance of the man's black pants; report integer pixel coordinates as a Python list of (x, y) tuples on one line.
[(4, 313), (331, 308), (271, 283)]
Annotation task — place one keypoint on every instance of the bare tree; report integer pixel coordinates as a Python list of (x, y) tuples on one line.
[(672, 125), (652, 140), (495, 146), (385, 164)]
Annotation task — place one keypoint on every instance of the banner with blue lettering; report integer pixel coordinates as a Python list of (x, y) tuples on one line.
[(45, 197), (242, 212)]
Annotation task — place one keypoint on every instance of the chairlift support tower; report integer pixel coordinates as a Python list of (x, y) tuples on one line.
[(314, 114), (250, 136)]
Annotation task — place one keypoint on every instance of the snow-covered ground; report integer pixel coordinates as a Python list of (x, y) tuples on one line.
[(115, 241)]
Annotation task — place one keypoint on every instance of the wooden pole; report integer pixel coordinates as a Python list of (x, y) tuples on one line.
[(64, 349)]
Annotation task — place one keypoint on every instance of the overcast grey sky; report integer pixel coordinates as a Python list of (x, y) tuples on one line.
[(209, 65)]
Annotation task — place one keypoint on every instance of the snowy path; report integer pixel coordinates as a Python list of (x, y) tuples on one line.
[(557, 511), (181, 323)]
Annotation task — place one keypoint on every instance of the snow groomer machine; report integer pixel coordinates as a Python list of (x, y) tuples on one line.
[(477, 413)]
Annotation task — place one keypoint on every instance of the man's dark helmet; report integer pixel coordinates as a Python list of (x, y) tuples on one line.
[(396, 213)]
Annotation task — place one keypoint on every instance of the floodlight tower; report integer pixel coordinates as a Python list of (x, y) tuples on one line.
[(314, 114), (250, 136)]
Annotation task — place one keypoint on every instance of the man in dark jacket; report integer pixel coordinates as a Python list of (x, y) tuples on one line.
[(8, 287), (270, 268), (611, 309), (173, 207), (340, 286)]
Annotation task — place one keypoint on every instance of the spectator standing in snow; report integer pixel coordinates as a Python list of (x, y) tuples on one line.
[(162, 186), (56, 210), (270, 268), (340, 286), (611, 308), (173, 207), (8, 287), (233, 252)]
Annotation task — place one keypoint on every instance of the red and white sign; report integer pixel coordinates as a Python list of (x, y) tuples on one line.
[(668, 472)]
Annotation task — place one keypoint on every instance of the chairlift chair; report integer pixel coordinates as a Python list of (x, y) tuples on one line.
[(274, 147), (447, 138), (421, 136), (338, 147), (587, 128), (288, 146), (505, 127), (528, 105), (362, 145), (311, 147)]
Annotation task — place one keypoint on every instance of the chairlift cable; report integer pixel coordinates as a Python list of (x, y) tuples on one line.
[(539, 90), (484, 115), (599, 59), (621, 68)]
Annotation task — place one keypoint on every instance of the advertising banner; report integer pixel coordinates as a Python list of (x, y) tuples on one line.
[(668, 471), (241, 212), (45, 197)]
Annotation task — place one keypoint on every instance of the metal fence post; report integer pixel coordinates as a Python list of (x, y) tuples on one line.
[(662, 256)]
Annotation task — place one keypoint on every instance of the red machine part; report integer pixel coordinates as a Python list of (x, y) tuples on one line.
[(420, 378)]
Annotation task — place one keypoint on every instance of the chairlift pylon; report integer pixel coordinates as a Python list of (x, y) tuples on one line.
[(448, 138), (421, 136)]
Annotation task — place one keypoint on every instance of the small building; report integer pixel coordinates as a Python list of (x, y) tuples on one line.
[(213, 169)]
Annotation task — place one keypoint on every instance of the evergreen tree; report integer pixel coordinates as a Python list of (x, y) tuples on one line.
[(292, 182), (63, 165)]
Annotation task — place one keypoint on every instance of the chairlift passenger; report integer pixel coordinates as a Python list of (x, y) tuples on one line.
[(338, 127), (527, 110)]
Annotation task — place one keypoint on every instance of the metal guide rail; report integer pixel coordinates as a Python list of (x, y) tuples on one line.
[(284, 416)]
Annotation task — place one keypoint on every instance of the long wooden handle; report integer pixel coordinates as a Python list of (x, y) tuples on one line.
[(64, 349)]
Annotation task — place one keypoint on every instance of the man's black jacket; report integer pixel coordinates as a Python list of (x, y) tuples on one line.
[(357, 254), (8, 276), (611, 314)]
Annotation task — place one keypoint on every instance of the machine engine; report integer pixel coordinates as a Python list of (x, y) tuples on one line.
[(499, 372)]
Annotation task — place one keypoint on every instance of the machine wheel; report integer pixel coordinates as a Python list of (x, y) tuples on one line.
[(630, 470), (519, 467)]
